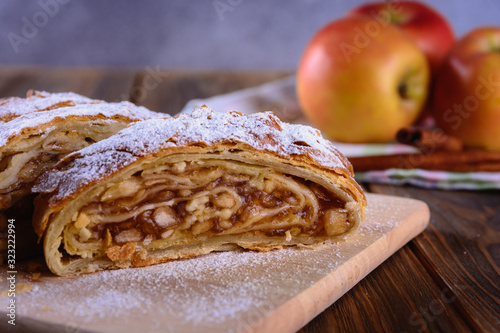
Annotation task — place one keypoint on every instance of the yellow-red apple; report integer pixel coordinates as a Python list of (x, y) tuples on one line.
[(361, 81), (424, 25), (467, 91)]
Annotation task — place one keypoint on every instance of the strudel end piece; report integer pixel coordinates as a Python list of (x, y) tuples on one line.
[(163, 189), (37, 131)]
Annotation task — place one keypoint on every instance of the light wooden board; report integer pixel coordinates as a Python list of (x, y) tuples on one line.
[(276, 291)]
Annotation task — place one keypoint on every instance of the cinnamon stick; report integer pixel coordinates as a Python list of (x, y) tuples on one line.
[(464, 161), (429, 141)]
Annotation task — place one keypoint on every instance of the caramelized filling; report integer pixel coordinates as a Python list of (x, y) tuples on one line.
[(4, 162), (19, 170), (188, 200)]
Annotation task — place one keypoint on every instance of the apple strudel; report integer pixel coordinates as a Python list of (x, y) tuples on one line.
[(37, 131), (164, 189)]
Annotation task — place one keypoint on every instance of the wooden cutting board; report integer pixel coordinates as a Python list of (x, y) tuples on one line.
[(276, 291)]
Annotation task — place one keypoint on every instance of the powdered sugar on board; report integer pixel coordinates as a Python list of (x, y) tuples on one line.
[(23, 115), (262, 131), (229, 291), (200, 292)]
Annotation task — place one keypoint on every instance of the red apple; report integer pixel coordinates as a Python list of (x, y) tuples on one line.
[(467, 91), (424, 25), (360, 81)]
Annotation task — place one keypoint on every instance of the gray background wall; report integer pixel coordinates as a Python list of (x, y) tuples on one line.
[(241, 34)]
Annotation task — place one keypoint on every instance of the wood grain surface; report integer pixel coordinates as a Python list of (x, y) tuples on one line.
[(461, 249), (445, 280)]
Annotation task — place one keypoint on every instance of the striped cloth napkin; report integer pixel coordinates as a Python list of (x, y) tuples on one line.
[(279, 96)]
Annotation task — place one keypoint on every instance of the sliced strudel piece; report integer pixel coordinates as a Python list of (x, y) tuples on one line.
[(163, 189), (37, 131)]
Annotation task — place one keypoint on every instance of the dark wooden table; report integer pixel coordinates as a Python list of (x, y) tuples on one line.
[(445, 280)]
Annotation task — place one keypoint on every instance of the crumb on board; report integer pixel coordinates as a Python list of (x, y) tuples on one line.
[(124, 252)]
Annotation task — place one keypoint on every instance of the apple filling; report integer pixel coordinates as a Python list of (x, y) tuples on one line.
[(19, 170), (182, 202)]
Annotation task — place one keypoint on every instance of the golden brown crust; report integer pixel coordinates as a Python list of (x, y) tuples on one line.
[(39, 101), (117, 253)]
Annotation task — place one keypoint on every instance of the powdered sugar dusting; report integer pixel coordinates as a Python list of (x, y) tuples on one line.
[(14, 106), (20, 115), (205, 291), (262, 131)]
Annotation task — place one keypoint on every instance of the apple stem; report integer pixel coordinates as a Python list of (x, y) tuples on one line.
[(403, 90)]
